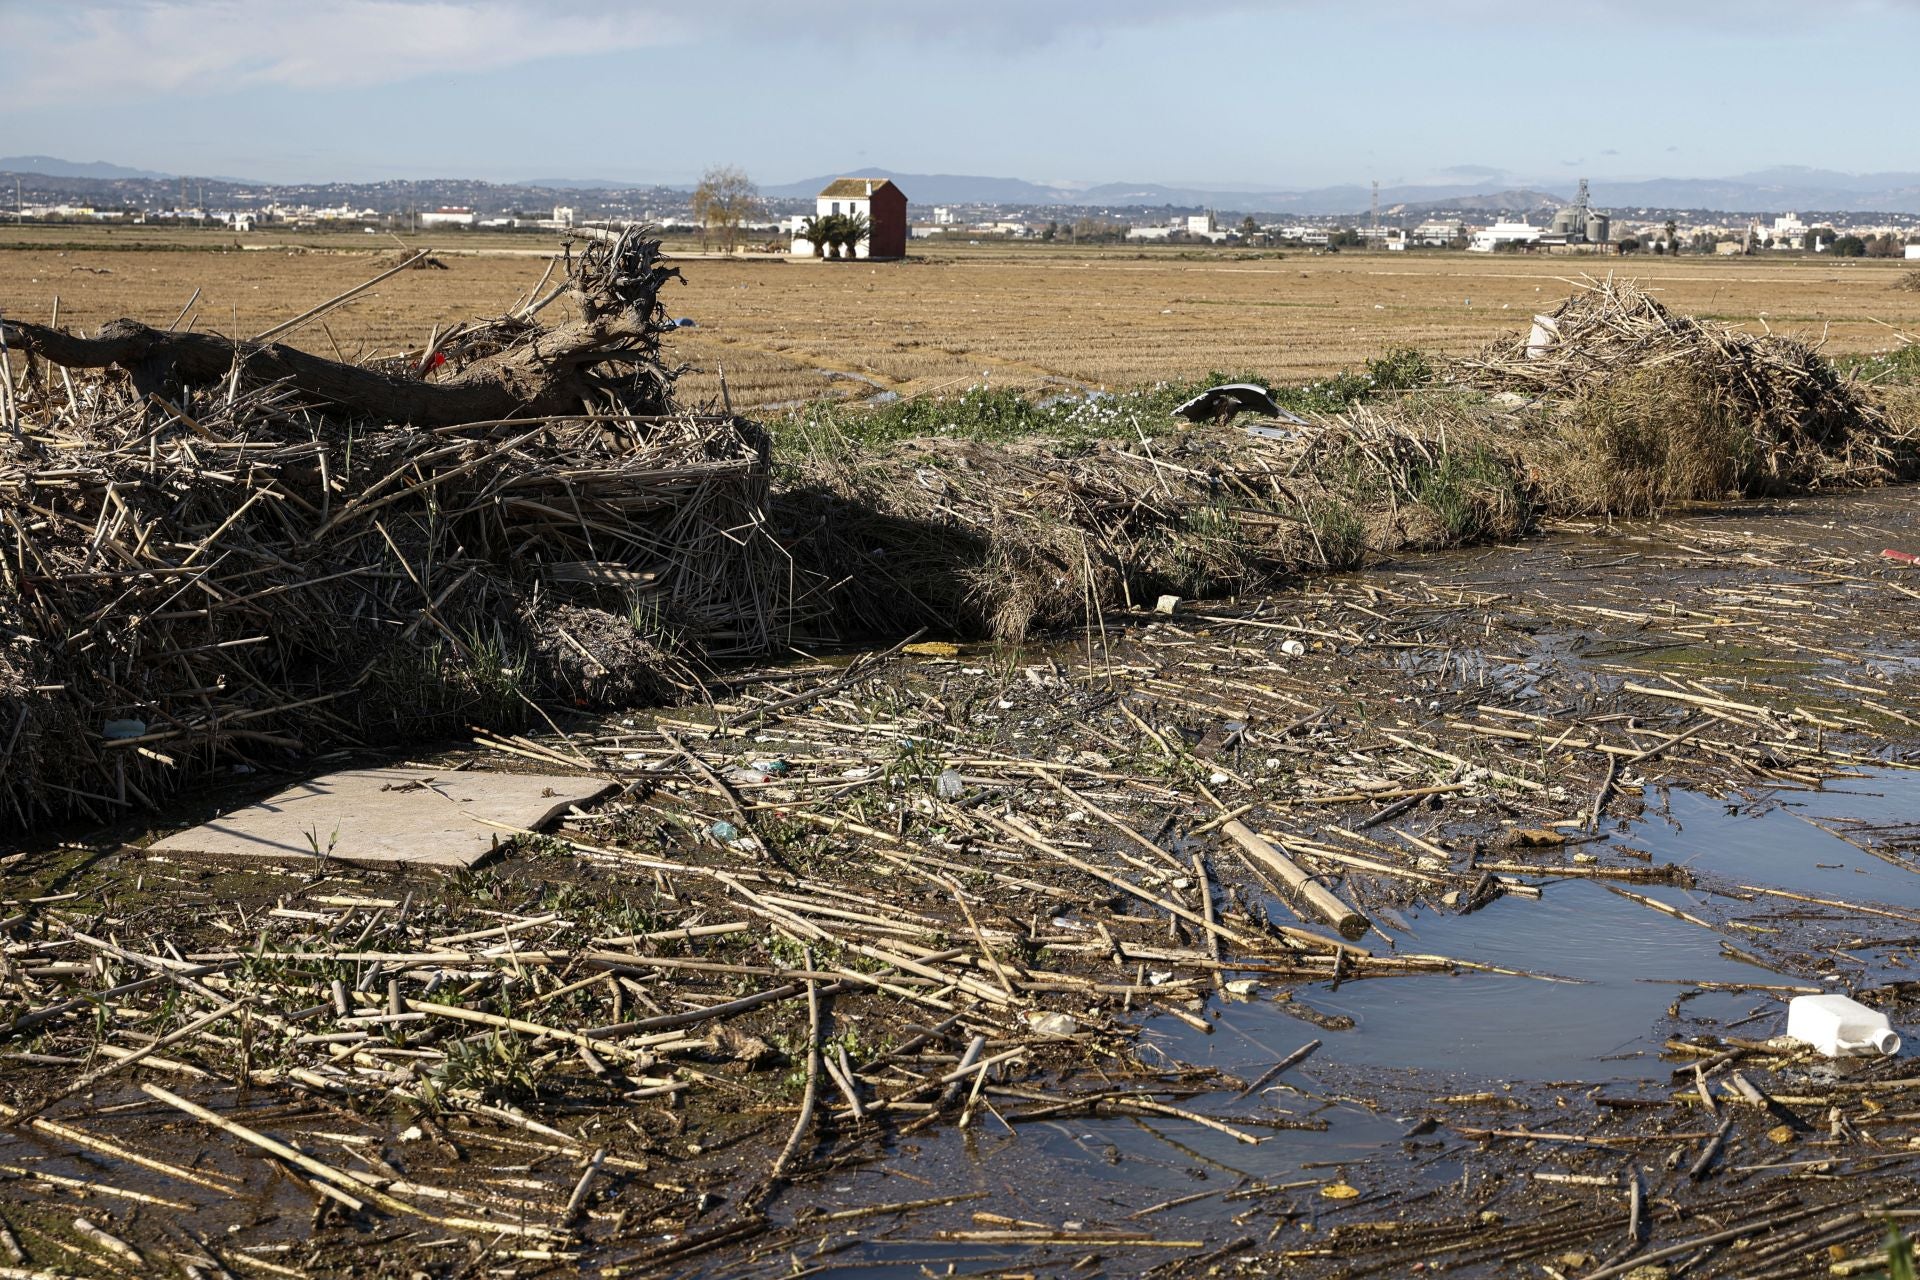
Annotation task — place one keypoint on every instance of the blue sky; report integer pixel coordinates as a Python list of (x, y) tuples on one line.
[(1277, 94)]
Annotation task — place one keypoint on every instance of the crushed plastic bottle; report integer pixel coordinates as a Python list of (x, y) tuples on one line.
[(950, 786), (1293, 648), (772, 767), (1841, 1028), (724, 831)]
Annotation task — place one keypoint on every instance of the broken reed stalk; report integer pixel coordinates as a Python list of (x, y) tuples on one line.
[(1349, 922)]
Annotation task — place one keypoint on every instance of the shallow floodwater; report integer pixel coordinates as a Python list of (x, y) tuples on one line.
[(1616, 979), (1775, 843), (1619, 964)]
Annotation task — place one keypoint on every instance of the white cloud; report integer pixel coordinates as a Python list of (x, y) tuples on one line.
[(89, 49), (59, 51)]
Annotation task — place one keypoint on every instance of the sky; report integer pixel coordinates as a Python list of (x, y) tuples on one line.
[(1280, 94)]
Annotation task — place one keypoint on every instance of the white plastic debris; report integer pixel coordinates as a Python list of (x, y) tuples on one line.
[(1052, 1024), (1166, 604), (1545, 333), (1841, 1028), (1292, 648), (951, 786)]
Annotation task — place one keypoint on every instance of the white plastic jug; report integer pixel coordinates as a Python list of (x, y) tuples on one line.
[(1841, 1028)]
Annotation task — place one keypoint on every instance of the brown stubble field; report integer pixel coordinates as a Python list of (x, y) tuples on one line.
[(1018, 315)]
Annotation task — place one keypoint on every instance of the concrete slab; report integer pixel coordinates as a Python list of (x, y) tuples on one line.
[(415, 817)]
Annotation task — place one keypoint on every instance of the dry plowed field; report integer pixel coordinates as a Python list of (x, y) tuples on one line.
[(791, 330)]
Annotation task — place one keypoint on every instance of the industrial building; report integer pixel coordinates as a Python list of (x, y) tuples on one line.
[(1576, 226), (1578, 223)]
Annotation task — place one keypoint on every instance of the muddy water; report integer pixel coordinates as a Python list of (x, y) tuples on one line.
[(1614, 979), (1408, 1070), (1797, 840)]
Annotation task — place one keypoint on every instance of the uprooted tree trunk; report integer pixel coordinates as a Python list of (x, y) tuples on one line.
[(510, 368)]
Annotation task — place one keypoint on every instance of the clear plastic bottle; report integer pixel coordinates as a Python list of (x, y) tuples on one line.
[(1840, 1027)]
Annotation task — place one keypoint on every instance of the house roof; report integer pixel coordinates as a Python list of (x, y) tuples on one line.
[(859, 188)]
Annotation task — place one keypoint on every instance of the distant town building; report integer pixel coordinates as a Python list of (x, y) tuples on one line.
[(563, 215), (1487, 239), (448, 216), (1913, 253), (1786, 232), (1201, 224), (1439, 234), (1302, 234), (882, 204)]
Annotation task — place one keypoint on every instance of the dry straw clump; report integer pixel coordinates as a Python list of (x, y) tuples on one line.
[(1615, 407), (1000, 539), (209, 573), (1648, 408)]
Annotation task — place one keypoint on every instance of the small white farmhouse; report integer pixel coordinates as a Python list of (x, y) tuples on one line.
[(882, 204)]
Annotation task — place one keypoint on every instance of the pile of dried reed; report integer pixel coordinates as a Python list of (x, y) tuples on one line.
[(998, 539), (1658, 407), (202, 571)]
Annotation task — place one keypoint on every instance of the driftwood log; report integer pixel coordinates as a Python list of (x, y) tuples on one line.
[(606, 359)]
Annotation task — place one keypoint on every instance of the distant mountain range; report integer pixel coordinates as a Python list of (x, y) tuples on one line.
[(949, 188), (1774, 190), (55, 167)]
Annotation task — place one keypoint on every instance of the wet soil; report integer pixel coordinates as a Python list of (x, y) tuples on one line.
[(1663, 780)]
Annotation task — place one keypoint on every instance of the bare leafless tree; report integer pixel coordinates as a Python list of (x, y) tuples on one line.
[(723, 202)]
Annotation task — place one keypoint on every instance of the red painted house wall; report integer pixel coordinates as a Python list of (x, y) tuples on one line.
[(888, 220)]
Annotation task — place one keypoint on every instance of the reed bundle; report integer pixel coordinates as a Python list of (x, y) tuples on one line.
[(205, 570), (1000, 539), (1727, 411)]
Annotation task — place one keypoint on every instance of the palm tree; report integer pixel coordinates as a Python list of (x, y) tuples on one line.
[(829, 241), (853, 229), (815, 231)]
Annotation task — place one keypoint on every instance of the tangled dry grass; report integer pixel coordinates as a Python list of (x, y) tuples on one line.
[(1003, 539), (197, 567), (1621, 409), (194, 576), (1644, 407)]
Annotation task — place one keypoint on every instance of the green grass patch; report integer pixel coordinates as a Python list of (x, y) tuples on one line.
[(999, 414), (1898, 367)]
